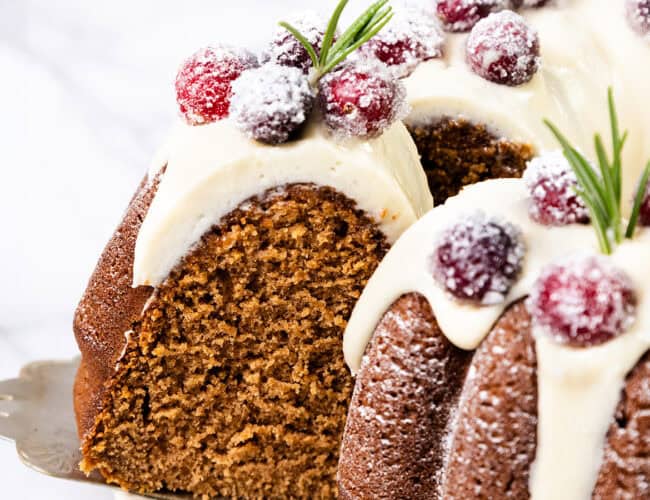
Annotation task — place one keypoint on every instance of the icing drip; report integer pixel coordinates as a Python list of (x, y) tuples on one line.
[(213, 168), (579, 388)]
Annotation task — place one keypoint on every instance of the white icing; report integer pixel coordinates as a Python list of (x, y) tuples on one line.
[(586, 46), (578, 388), (211, 169)]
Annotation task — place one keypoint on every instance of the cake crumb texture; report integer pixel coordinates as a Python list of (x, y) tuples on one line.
[(456, 152), (233, 383)]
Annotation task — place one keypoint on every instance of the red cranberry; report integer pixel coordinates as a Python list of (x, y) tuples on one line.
[(286, 50), (478, 259), (638, 15), (582, 301), (504, 49), (270, 103), (410, 38), (203, 83), (551, 184), (461, 15), (361, 100)]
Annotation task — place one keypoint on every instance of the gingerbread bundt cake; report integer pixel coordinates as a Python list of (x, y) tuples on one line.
[(211, 330)]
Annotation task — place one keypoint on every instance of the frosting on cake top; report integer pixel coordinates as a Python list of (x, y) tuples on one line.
[(586, 47), (211, 169)]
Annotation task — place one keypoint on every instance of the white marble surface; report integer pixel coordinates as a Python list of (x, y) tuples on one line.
[(85, 96)]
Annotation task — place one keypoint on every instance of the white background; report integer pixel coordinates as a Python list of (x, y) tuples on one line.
[(86, 95)]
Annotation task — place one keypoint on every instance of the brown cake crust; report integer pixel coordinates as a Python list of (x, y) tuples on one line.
[(625, 472), (109, 308), (456, 152), (484, 441), (233, 382), (393, 446), (492, 443)]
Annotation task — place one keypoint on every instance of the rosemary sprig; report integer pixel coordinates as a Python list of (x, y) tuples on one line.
[(366, 26), (601, 192)]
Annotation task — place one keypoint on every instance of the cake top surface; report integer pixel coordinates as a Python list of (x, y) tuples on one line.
[(301, 113), (585, 46)]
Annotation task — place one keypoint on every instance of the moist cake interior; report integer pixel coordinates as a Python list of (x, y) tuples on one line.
[(233, 382), (456, 152)]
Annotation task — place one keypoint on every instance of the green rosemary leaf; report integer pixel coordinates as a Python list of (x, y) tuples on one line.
[(617, 141), (587, 187), (599, 224), (638, 200), (343, 55), (331, 30), (379, 16), (303, 41), (610, 188), (618, 167), (578, 161), (349, 35)]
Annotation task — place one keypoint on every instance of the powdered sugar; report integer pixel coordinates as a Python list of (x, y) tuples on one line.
[(638, 15), (461, 15), (286, 50), (504, 48), (271, 102), (582, 300), (552, 186), (413, 36), (203, 83), (361, 99), (478, 258)]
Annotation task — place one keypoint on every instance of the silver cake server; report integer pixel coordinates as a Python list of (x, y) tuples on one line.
[(36, 413)]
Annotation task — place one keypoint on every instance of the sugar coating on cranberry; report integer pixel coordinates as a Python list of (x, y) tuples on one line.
[(503, 48), (462, 15), (286, 50), (552, 185), (478, 259), (204, 82), (412, 36), (582, 301), (638, 15), (361, 100), (271, 102)]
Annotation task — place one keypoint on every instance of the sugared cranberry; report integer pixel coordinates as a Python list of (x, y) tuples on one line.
[(461, 15), (552, 186), (638, 15), (411, 37), (203, 83), (504, 48), (361, 100), (478, 259), (286, 50), (270, 103), (582, 301)]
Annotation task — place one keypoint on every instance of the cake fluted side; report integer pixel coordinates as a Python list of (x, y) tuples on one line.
[(403, 402), (108, 309), (484, 440)]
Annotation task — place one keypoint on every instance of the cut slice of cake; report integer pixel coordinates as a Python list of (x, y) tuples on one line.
[(211, 329)]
